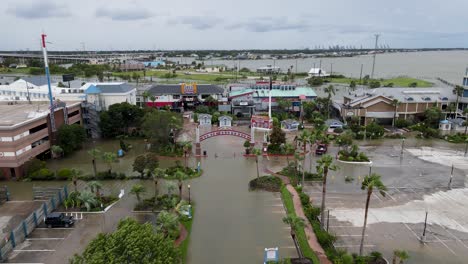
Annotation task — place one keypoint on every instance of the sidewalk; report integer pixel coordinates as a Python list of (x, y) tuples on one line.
[(311, 238)]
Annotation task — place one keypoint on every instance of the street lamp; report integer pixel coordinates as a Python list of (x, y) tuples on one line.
[(189, 201), (403, 147)]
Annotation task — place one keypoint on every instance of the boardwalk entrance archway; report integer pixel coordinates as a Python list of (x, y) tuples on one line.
[(221, 132)]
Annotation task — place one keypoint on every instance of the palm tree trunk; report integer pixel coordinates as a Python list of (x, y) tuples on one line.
[(324, 192), (310, 159), (361, 248), (303, 172), (180, 190), (155, 189), (75, 185), (258, 172), (94, 168)]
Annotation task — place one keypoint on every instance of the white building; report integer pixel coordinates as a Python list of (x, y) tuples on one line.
[(102, 95), (317, 72)]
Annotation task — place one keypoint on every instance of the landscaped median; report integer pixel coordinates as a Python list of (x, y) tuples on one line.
[(301, 236)]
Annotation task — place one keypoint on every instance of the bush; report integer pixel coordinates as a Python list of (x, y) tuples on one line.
[(106, 175), (402, 123), (338, 130), (374, 84), (305, 199), (64, 174), (311, 212), (43, 174), (268, 183)]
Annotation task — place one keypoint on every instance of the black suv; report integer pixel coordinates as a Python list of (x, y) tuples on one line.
[(59, 220)]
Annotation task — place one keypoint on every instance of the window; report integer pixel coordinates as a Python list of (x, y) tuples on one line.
[(74, 113), (176, 96), (410, 99), (37, 128)]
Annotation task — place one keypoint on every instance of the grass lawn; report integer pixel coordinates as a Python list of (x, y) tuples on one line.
[(11, 70), (397, 82), (205, 77), (185, 244), (300, 235)]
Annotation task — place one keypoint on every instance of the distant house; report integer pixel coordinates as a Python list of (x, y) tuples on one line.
[(317, 72), (154, 64), (225, 121), (269, 69), (204, 119), (102, 95), (333, 123), (215, 68)]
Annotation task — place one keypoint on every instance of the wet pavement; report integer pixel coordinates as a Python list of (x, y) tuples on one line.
[(417, 182)]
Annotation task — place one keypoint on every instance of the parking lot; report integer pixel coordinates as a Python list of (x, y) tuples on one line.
[(396, 221), (43, 242)]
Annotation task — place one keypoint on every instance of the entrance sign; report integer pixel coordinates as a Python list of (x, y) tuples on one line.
[(188, 88), (224, 132)]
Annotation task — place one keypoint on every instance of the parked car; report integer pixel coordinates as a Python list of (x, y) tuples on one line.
[(321, 149), (59, 220)]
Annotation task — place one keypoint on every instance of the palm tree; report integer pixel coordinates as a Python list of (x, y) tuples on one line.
[(297, 159), (158, 173), (181, 177), (304, 138), (56, 150), (400, 254), (395, 103), (95, 153), (311, 140), (137, 190), (168, 223), (88, 199), (330, 90), (75, 174), (145, 95), (295, 222), (109, 158), (186, 146), (95, 186), (325, 164), (369, 183), (465, 112), (288, 148), (257, 153), (458, 91)]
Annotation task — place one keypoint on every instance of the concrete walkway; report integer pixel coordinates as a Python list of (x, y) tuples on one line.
[(309, 231)]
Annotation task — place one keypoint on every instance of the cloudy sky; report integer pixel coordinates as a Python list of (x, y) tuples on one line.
[(239, 24)]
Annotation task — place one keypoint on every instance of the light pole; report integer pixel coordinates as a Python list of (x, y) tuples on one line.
[(403, 147), (466, 146), (189, 200)]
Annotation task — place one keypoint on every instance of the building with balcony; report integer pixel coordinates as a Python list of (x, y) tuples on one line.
[(383, 104), (25, 132), (183, 96)]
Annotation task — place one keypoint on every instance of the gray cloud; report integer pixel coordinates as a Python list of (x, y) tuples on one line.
[(123, 14), (269, 24), (39, 10), (197, 22)]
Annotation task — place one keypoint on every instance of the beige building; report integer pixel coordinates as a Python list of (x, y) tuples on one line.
[(25, 132), (378, 104)]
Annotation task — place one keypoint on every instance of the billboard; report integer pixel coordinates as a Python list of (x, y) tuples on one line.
[(188, 88), (261, 122), (68, 77)]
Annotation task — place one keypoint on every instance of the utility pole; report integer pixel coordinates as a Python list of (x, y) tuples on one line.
[(360, 75), (375, 53)]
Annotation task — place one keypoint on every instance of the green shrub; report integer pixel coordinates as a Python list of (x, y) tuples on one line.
[(106, 175), (402, 123), (43, 174), (312, 212), (269, 183), (64, 174), (374, 84), (305, 199), (338, 130)]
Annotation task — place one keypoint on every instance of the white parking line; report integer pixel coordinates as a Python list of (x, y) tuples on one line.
[(55, 228), (34, 250), (345, 246), (445, 245), (45, 238)]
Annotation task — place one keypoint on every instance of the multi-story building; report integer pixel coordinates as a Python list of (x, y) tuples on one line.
[(25, 132), (382, 104), (184, 95)]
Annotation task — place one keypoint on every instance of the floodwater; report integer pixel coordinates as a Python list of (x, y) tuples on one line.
[(449, 65), (231, 223)]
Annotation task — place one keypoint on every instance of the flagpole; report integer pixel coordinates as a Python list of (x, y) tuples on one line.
[(269, 100)]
